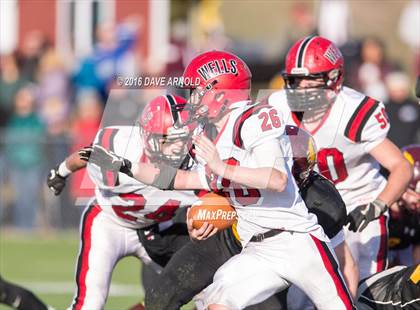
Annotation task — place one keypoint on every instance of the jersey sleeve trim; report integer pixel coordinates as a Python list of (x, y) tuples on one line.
[(237, 139), (359, 119), (106, 139)]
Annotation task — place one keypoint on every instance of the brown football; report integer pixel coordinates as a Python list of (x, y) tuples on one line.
[(214, 209)]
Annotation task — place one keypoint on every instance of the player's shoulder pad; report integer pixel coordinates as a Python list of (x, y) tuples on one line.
[(255, 124), (363, 110), (107, 136), (278, 99)]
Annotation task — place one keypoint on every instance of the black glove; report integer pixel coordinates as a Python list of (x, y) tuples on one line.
[(55, 181), (109, 160), (360, 217), (84, 153)]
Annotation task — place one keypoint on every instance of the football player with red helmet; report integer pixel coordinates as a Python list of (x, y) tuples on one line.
[(223, 80), (126, 213), (304, 62), (243, 160), (166, 135), (350, 131), (199, 261)]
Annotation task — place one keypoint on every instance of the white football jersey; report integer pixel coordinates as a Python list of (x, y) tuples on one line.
[(251, 128), (353, 126), (129, 202)]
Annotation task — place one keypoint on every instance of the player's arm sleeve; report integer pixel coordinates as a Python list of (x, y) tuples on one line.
[(263, 124), (261, 135), (269, 154), (107, 137), (368, 125), (376, 128), (94, 171)]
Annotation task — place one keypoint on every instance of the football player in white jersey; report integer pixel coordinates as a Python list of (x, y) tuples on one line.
[(350, 131), (282, 242), (122, 204)]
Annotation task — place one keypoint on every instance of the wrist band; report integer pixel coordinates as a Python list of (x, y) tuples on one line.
[(166, 177), (381, 204), (63, 170)]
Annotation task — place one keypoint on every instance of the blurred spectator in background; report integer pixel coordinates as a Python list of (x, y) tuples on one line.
[(409, 22), (57, 143), (83, 130), (10, 82), (111, 57), (333, 21), (402, 110), (53, 97), (53, 82), (370, 73), (34, 46), (177, 48), (302, 24), (207, 27), (24, 152), (302, 20)]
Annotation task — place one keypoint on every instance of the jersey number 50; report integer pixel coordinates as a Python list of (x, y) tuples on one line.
[(331, 165)]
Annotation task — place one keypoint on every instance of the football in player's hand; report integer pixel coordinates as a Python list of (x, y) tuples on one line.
[(213, 209)]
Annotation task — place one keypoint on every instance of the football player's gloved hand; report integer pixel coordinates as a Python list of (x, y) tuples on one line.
[(109, 160), (360, 217), (84, 153), (55, 181)]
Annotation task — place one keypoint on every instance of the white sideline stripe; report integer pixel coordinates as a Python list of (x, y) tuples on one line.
[(117, 290)]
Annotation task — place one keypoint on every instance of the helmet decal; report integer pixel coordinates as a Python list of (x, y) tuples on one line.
[(147, 117), (217, 67), (223, 78), (332, 54)]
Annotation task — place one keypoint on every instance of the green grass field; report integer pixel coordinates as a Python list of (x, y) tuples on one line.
[(45, 264)]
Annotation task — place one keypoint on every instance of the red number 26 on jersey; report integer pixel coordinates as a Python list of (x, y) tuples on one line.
[(269, 120)]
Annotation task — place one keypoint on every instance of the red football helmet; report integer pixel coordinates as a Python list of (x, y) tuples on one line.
[(412, 154), (217, 79), (163, 121), (313, 58)]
